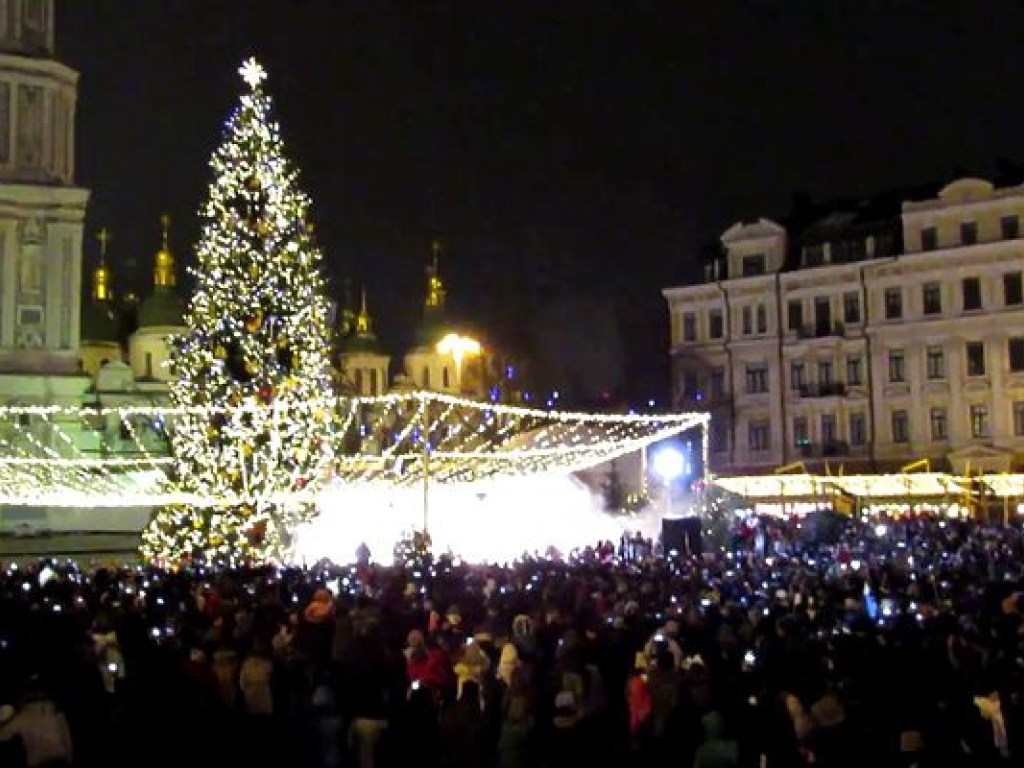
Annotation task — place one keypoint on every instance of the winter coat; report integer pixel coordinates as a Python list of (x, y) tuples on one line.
[(254, 680), (44, 733)]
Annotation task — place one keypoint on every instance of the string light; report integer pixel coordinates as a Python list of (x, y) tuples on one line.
[(468, 441)]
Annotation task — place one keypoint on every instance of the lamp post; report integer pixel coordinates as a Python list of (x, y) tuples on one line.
[(459, 347)]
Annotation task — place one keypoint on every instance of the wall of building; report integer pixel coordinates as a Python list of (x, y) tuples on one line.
[(876, 362)]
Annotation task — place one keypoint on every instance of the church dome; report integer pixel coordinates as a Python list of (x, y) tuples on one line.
[(360, 344), (161, 307)]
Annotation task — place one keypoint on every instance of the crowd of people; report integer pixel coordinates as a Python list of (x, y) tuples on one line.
[(896, 644)]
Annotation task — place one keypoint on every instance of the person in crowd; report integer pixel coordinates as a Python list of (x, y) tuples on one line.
[(892, 643), (42, 730)]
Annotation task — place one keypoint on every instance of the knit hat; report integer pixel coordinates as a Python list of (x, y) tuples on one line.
[(828, 711), (565, 701), (414, 638)]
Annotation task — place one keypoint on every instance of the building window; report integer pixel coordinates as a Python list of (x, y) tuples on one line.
[(800, 436), (968, 233), (759, 436), (937, 419), (858, 429), (748, 321), (762, 318), (822, 316), (1018, 418), (828, 429), (900, 427), (692, 386), (689, 326), (1013, 289), (897, 367), (1010, 227), (931, 295), (717, 381), (797, 377), (825, 373), (795, 315), (972, 293), (716, 328), (979, 421), (936, 363), (753, 264), (757, 379), (149, 365), (975, 358), (359, 381), (853, 371), (893, 303), (373, 382), (426, 377), (929, 239), (851, 308), (1015, 353)]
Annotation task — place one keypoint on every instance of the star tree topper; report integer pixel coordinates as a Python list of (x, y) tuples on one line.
[(252, 72)]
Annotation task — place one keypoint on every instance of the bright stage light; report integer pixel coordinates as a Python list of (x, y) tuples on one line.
[(669, 463), (489, 521)]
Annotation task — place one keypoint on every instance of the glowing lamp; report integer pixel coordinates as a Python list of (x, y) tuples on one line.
[(669, 463), (459, 347)]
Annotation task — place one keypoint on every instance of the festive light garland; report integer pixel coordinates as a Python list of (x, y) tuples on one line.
[(471, 441)]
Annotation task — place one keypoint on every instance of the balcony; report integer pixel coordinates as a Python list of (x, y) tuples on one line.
[(832, 389)]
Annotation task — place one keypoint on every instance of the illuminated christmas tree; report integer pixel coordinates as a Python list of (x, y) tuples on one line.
[(254, 365)]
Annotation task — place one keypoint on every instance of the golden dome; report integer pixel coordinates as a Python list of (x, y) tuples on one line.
[(163, 263), (102, 279)]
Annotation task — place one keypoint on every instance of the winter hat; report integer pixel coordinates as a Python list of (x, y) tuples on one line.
[(508, 663), (522, 625), (565, 701), (828, 711), (911, 742), (415, 639)]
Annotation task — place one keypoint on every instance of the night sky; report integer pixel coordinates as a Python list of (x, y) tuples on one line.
[(573, 156)]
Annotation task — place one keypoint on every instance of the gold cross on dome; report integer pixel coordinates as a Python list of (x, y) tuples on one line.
[(104, 237), (252, 72)]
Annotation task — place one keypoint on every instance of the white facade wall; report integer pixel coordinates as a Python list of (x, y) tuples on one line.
[(869, 377)]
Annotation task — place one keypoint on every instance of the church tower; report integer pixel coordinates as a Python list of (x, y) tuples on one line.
[(364, 366), (160, 316), (42, 212)]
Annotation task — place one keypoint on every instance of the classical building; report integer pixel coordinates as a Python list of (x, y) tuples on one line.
[(42, 212), (870, 336)]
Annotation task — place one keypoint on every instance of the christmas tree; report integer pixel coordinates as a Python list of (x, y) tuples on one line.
[(254, 366)]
